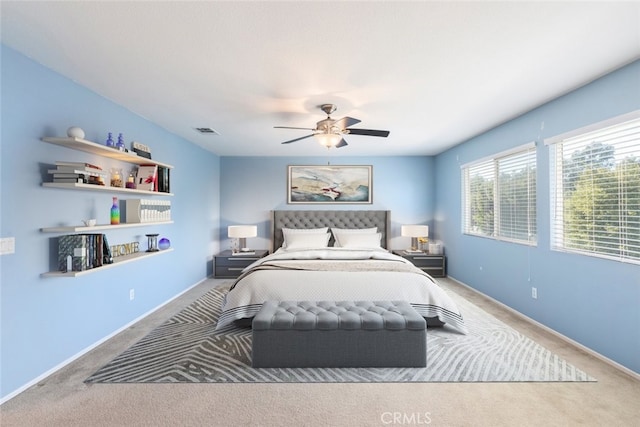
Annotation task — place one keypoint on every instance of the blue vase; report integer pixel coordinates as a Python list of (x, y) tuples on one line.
[(120, 143)]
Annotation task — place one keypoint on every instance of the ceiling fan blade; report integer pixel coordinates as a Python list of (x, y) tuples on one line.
[(289, 127), (297, 139), (369, 132), (345, 122), (342, 143)]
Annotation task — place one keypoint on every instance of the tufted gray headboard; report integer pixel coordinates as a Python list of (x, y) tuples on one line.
[(339, 219)]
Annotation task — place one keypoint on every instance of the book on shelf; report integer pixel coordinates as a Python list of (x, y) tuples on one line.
[(107, 257), (72, 253), (147, 177), (77, 171), (77, 165), (413, 252), (83, 252), (164, 185), (76, 180), (67, 175), (80, 179), (78, 174)]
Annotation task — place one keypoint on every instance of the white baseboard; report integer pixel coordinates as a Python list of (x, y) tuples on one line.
[(554, 332), (91, 347)]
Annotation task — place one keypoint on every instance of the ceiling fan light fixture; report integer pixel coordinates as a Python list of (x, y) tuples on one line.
[(329, 132), (328, 139)]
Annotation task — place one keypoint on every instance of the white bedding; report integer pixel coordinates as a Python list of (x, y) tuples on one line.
[(328, 274)]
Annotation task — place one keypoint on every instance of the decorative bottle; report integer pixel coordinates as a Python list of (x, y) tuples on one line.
[(120, 143), (115, 212), (110, 142)]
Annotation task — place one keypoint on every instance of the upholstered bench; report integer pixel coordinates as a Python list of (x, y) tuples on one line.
[(338, 334)]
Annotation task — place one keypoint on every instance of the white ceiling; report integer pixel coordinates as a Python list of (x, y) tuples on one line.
[(433, 73)]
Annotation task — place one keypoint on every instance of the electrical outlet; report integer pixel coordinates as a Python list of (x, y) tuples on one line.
[(534, 293), (132, 294), (7, 245)]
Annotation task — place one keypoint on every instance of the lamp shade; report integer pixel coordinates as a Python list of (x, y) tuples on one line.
[(241, 231), (415, 231)]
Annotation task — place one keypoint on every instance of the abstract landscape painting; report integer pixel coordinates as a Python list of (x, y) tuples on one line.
[(329, 184)]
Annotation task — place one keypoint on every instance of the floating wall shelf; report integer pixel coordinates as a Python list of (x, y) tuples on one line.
[(118, 261), (86, 229), (93, 187), (104, 151)]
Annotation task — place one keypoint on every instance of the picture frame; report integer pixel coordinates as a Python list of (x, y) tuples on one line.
[(330, 184)]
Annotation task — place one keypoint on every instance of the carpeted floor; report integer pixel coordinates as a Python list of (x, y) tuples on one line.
[(187, 349), (64, 399)]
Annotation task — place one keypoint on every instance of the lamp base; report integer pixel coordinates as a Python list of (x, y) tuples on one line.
[(414, 244)]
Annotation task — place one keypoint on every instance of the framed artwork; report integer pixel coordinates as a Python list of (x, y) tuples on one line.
[(329, 184)]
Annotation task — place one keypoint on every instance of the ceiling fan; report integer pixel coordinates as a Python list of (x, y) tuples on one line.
[(329, 132)]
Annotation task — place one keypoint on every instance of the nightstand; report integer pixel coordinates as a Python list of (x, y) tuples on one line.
[(433, 265), (228, 265)]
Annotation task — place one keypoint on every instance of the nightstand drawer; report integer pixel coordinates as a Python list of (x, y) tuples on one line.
[(425, 261), (229, 271), (228, 266), (433, 265), (434, 271), (235, 261)]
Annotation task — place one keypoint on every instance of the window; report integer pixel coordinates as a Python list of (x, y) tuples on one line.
[(499, 196), (595, 189)]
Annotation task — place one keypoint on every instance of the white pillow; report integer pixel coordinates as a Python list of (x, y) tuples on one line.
[(307, 241), (360, 240), (338, 232), (286, 232)]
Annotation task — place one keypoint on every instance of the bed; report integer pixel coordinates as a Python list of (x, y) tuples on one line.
[(324, 255)]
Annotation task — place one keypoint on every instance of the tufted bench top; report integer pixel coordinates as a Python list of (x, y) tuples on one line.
[(334, 315)]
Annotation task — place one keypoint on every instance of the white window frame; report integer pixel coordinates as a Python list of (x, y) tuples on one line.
[(597, 132), (491, 165)]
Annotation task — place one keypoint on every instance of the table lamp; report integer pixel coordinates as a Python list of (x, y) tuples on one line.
[(241, 232), (414, 231)]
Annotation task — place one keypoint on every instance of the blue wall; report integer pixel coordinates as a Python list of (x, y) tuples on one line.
[(593, 301), (46, 321), (254, 186)]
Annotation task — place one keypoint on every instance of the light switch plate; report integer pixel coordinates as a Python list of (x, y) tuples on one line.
[(7, 245)]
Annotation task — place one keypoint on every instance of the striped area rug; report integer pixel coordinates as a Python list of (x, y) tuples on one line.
[(186, 348)]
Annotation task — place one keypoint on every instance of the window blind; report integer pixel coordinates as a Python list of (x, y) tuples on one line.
[(595, 192), (500, 196), (517, 196)]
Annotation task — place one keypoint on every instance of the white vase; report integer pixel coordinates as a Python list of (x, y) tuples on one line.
[(75, 132)]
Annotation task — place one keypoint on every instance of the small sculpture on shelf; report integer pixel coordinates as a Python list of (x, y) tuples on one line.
[(110, 142), (115, 212), (75, 132), (152, 242), (120, 144), (164, 243)]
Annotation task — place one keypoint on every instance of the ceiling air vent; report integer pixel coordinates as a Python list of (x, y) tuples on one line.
[(207, 131)]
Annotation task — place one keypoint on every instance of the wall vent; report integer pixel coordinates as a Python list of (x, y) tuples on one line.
[(208, 131)]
